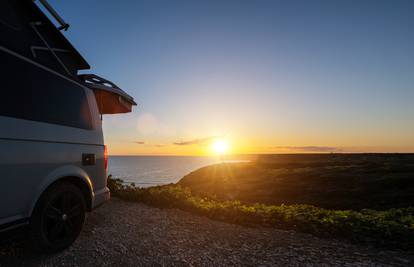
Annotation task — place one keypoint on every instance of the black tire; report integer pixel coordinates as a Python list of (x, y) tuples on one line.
[(58, 218)]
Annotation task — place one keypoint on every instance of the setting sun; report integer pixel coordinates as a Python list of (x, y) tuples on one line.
[(220, 146)]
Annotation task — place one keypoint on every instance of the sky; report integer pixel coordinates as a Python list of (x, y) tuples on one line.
[(265, 76)]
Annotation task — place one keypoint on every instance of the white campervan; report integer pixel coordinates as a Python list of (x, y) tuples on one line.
[(53, 159)]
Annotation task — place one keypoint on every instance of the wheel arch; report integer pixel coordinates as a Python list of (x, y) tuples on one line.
[(79, 183), (76, 176)]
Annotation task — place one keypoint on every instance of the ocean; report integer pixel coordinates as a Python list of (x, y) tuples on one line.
[(146, 171)]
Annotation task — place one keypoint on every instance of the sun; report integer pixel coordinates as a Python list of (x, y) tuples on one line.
[(220, 146)]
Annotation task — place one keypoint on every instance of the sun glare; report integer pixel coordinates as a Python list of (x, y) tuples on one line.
[(220, 146)]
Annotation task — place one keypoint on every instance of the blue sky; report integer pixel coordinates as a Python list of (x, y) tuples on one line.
[(265, 74)]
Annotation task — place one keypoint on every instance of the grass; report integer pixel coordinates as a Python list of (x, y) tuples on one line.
[(331, 181), (392, 227)]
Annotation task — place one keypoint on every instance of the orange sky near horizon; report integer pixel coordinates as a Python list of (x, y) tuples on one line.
[(141, 133), (235, 148)]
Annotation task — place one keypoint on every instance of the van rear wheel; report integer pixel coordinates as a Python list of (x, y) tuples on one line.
[(58, 218)]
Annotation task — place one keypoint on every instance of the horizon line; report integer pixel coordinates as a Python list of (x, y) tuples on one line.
[(253, 154)]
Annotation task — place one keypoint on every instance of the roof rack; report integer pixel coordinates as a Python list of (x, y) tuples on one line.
[(63, 25), (110, 98)]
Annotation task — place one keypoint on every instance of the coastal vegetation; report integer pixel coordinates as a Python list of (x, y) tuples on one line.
[(386, 226), (332, 181)]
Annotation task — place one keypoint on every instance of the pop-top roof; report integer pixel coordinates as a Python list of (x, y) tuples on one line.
[(110, 98)]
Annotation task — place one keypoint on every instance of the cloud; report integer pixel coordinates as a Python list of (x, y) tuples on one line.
[(200, 141), (308, 148), (149, 145), (160, 145)]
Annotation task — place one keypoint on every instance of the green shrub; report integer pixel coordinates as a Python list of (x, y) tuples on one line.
[(394, 227)]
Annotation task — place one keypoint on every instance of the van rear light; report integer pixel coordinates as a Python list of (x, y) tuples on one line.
[(106, 157)]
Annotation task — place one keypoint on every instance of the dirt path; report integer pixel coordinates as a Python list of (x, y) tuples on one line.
[(131, 234)]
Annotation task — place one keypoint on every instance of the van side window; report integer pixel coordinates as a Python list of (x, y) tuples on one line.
[(8, 15), (10, 101), (58, 101), (32, 93)]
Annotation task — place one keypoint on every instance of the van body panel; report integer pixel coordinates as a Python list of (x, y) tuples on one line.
[(35, 153), (27, 168), (20, 129)]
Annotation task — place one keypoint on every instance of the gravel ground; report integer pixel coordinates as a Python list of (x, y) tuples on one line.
[(132, 234)]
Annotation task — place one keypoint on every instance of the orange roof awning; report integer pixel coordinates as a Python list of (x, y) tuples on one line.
[(110, 98)]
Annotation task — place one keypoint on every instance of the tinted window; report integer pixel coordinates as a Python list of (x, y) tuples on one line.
[(8, 14), (10, 100), (32, 93)]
